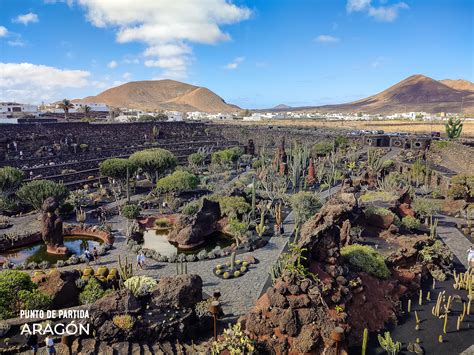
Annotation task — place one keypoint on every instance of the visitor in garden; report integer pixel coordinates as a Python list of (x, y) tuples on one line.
[(32, 342), (50, 345), (95, 254), (88, 256), (470, 258), (140, 260)]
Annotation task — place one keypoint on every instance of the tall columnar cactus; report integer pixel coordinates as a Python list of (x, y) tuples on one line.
[(253, 199), (454, 127), (125, 269), (278, 219), (181, 268), (232, 260), (433, 227), (364, 341), (261, 227)]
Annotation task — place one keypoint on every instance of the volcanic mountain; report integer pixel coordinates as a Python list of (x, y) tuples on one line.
[(162, 95), (415, 93)]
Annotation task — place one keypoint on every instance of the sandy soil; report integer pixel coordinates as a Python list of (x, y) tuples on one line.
[(387, 125)]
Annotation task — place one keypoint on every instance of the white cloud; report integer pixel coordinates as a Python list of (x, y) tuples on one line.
[(380, 13), (235, 63), (68, 2), (25, 19), (127, 76), (18, 42), (326, 39), (3, 31), (112, 64), (31, 83), (168, 27)]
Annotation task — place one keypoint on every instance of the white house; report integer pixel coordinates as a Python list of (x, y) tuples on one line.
[(174, 116), (9, 108)]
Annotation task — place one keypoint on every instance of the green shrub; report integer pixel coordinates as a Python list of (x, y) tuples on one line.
[(180, 180), (379, 211), (123, 321), (191, 208), (35, 192), (34, 299), (370, 196), (425, 207), (411, 222), (367, 259), (11, 283), (305, 205), (197, 159), (233, 206), (322, 148), (226, 156), (162, 223), (131, 211), (92, 292), (10, 180), (256, 164)]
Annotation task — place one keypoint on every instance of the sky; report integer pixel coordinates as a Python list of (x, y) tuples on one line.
[(256, 54)]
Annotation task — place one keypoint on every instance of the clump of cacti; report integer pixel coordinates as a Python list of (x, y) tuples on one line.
[(388, 344), (125, 269), (454, 127), (181, 268)]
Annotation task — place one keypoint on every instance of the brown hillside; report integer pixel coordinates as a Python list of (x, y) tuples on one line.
[(415, 93), (461, 85), (162, 95)]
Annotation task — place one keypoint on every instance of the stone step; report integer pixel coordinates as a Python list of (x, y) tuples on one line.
[(121, 348), (135, 349), (87, 347), (146, 350), (105, 349)]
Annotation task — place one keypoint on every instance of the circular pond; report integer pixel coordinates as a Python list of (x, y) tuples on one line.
[(37, 252), (156, 240)]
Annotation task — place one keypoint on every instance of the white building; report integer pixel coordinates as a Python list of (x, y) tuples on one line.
[(95, 106), (11, 108), (174, 116)]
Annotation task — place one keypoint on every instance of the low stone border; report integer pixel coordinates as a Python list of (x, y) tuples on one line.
[(253, 244)]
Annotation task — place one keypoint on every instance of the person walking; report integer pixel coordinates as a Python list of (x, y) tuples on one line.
[(50, 345), (88, 256), (140, 260), (95, 254), (32, 342)]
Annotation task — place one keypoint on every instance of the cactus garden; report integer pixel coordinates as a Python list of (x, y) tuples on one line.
[(298, 244)]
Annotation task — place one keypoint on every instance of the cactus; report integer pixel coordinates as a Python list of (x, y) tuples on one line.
[(433, 228), (428, 296), (409, 306), (277, 270), (417, 318), (458, 324), (278, 219), (387, 343), (181, 268), (440, 339), (81, 217), (420, 299), (232, 261), (454, 127), (253, 198), (445, 322), (364, 341), (125, 269), (140, 285), (261, 227)]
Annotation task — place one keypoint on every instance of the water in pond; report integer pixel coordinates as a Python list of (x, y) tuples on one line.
[(156, 240), (37, 252)]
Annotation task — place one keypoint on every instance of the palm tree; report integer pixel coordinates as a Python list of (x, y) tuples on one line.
[(86, 110), (66, 105)]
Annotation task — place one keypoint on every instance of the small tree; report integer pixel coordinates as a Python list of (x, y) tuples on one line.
[(305, 205), (454, 127), (238, 229), (153, 162), (131, 212), (35, 192), (10, 180), (12, 282), (425, 208), (233, 206), (117, 169)]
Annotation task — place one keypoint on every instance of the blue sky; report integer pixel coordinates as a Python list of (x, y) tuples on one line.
[(255, 54)]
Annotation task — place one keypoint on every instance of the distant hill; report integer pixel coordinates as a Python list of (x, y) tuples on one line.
[(415, 93), (162, 95), (462, 85), (281, 107)]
